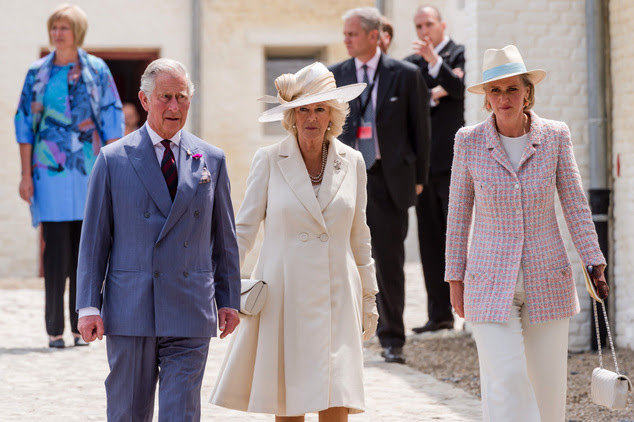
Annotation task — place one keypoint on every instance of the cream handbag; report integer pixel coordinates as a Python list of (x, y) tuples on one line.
[(609, 389), (252, 296)]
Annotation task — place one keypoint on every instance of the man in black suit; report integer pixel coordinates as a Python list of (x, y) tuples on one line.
[(442, 63), (389, 124)]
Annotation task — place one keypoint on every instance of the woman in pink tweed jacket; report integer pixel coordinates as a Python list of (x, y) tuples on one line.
[(514, 282)]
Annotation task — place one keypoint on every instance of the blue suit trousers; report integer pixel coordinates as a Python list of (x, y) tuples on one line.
[(137, 363)]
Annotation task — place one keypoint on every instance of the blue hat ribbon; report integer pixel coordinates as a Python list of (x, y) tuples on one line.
[(503, 69)]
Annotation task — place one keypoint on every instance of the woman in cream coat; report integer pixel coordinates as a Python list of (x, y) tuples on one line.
[(303, 352)]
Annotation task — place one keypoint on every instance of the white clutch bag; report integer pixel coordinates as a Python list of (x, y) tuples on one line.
[(609, 389), (253, 296)]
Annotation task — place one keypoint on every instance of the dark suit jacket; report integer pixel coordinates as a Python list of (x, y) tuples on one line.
[(402, 124), (448, 116), (157, 268)]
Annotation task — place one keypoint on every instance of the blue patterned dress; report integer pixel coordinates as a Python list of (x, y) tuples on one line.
[(66, 113)]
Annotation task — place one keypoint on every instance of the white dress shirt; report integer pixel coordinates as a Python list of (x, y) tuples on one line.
[(435, 69), (514, 148)]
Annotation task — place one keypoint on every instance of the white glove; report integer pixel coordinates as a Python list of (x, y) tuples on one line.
[(370, 319)]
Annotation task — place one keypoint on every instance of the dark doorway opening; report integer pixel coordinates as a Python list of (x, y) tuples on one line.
[(126, 68)]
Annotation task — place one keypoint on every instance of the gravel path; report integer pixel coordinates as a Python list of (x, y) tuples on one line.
[(451, 356), (440, 382), (41, 384)]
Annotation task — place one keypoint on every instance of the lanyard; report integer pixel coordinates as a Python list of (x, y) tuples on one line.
[(369, 88)]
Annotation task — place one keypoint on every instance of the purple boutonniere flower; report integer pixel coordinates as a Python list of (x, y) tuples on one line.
[(194, 156)]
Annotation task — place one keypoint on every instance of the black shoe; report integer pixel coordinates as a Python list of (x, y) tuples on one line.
[(393, 354), (434, 326), (57, 344), (80, 342)]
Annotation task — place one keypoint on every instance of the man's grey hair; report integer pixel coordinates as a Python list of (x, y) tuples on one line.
[(159, 66), (370, 17)]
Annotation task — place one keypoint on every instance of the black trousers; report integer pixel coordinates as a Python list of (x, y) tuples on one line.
[(388, 227), (432, 207), (61, 248)]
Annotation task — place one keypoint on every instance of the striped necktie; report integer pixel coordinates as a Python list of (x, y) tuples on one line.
[(366, 145), (168, 167)]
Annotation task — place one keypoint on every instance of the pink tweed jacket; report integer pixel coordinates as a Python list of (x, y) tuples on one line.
[(515, 222)]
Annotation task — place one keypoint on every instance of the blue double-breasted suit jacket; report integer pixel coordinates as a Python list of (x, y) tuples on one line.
[(153, 267)]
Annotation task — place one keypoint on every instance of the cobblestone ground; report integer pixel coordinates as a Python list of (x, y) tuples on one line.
[(41, 384)]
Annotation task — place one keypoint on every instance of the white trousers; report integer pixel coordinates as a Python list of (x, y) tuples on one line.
[(523, 367)]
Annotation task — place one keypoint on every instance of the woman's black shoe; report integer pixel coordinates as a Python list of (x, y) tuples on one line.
[(57, 344)]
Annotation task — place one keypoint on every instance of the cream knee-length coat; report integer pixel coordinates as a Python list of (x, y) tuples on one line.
[(303, 352)]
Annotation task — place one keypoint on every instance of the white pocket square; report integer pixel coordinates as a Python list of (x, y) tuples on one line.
[(392, 99), (206, 177)]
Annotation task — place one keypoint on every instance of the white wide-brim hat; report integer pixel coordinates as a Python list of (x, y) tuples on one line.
[(311, 84), (504, 63)]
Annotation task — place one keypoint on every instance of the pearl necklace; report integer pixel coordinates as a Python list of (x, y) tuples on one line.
[(324, 154)]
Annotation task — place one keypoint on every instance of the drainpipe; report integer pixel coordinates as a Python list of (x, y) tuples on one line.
[(195, 70), (380, 4), (599, 192)]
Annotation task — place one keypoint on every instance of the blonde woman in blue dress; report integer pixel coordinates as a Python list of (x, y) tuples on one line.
[(69, 109)]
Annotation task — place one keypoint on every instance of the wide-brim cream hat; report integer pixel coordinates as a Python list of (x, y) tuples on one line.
[(311, 84), (504, 63)]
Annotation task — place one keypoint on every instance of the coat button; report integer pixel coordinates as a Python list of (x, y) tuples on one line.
[(146, 215), (158, 244), (517, 186), (303, 237), (156, 274), (517, 212), (323, 237), (185, 273), (196, 213), (185, 244)]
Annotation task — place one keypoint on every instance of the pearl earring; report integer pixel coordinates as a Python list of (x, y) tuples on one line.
[(329, 125), (294, 127)]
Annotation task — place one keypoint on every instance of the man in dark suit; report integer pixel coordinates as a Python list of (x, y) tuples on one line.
[(158, 256), (442, 63), (389, 125)]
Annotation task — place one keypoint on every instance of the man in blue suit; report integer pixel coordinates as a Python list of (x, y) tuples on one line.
[(158, 254)]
